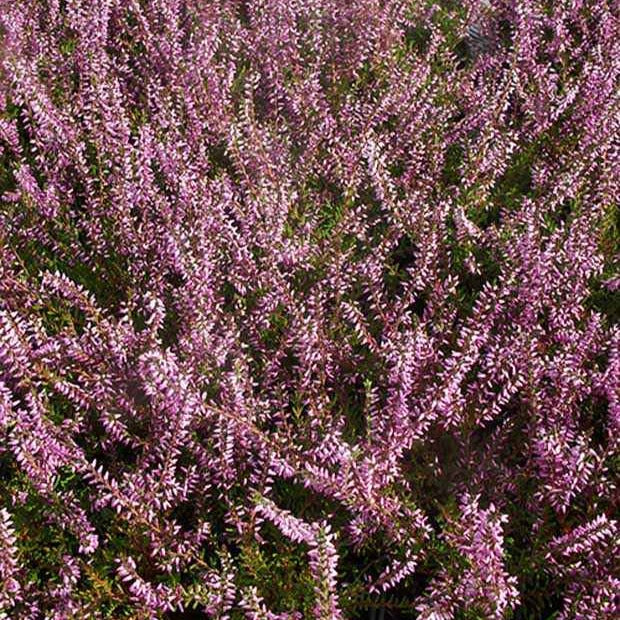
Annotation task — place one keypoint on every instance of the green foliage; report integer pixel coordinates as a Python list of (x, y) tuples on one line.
[(280, 573)]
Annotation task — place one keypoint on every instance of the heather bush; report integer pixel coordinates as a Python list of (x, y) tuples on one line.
[(309, 308)]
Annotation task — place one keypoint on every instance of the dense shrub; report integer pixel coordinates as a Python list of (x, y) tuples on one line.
[(309, 307)]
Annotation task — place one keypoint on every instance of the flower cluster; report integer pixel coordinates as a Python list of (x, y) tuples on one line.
[(483, 585), (307, 306)]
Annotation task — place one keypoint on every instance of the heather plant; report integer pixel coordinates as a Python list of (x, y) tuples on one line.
[(308, 309)]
